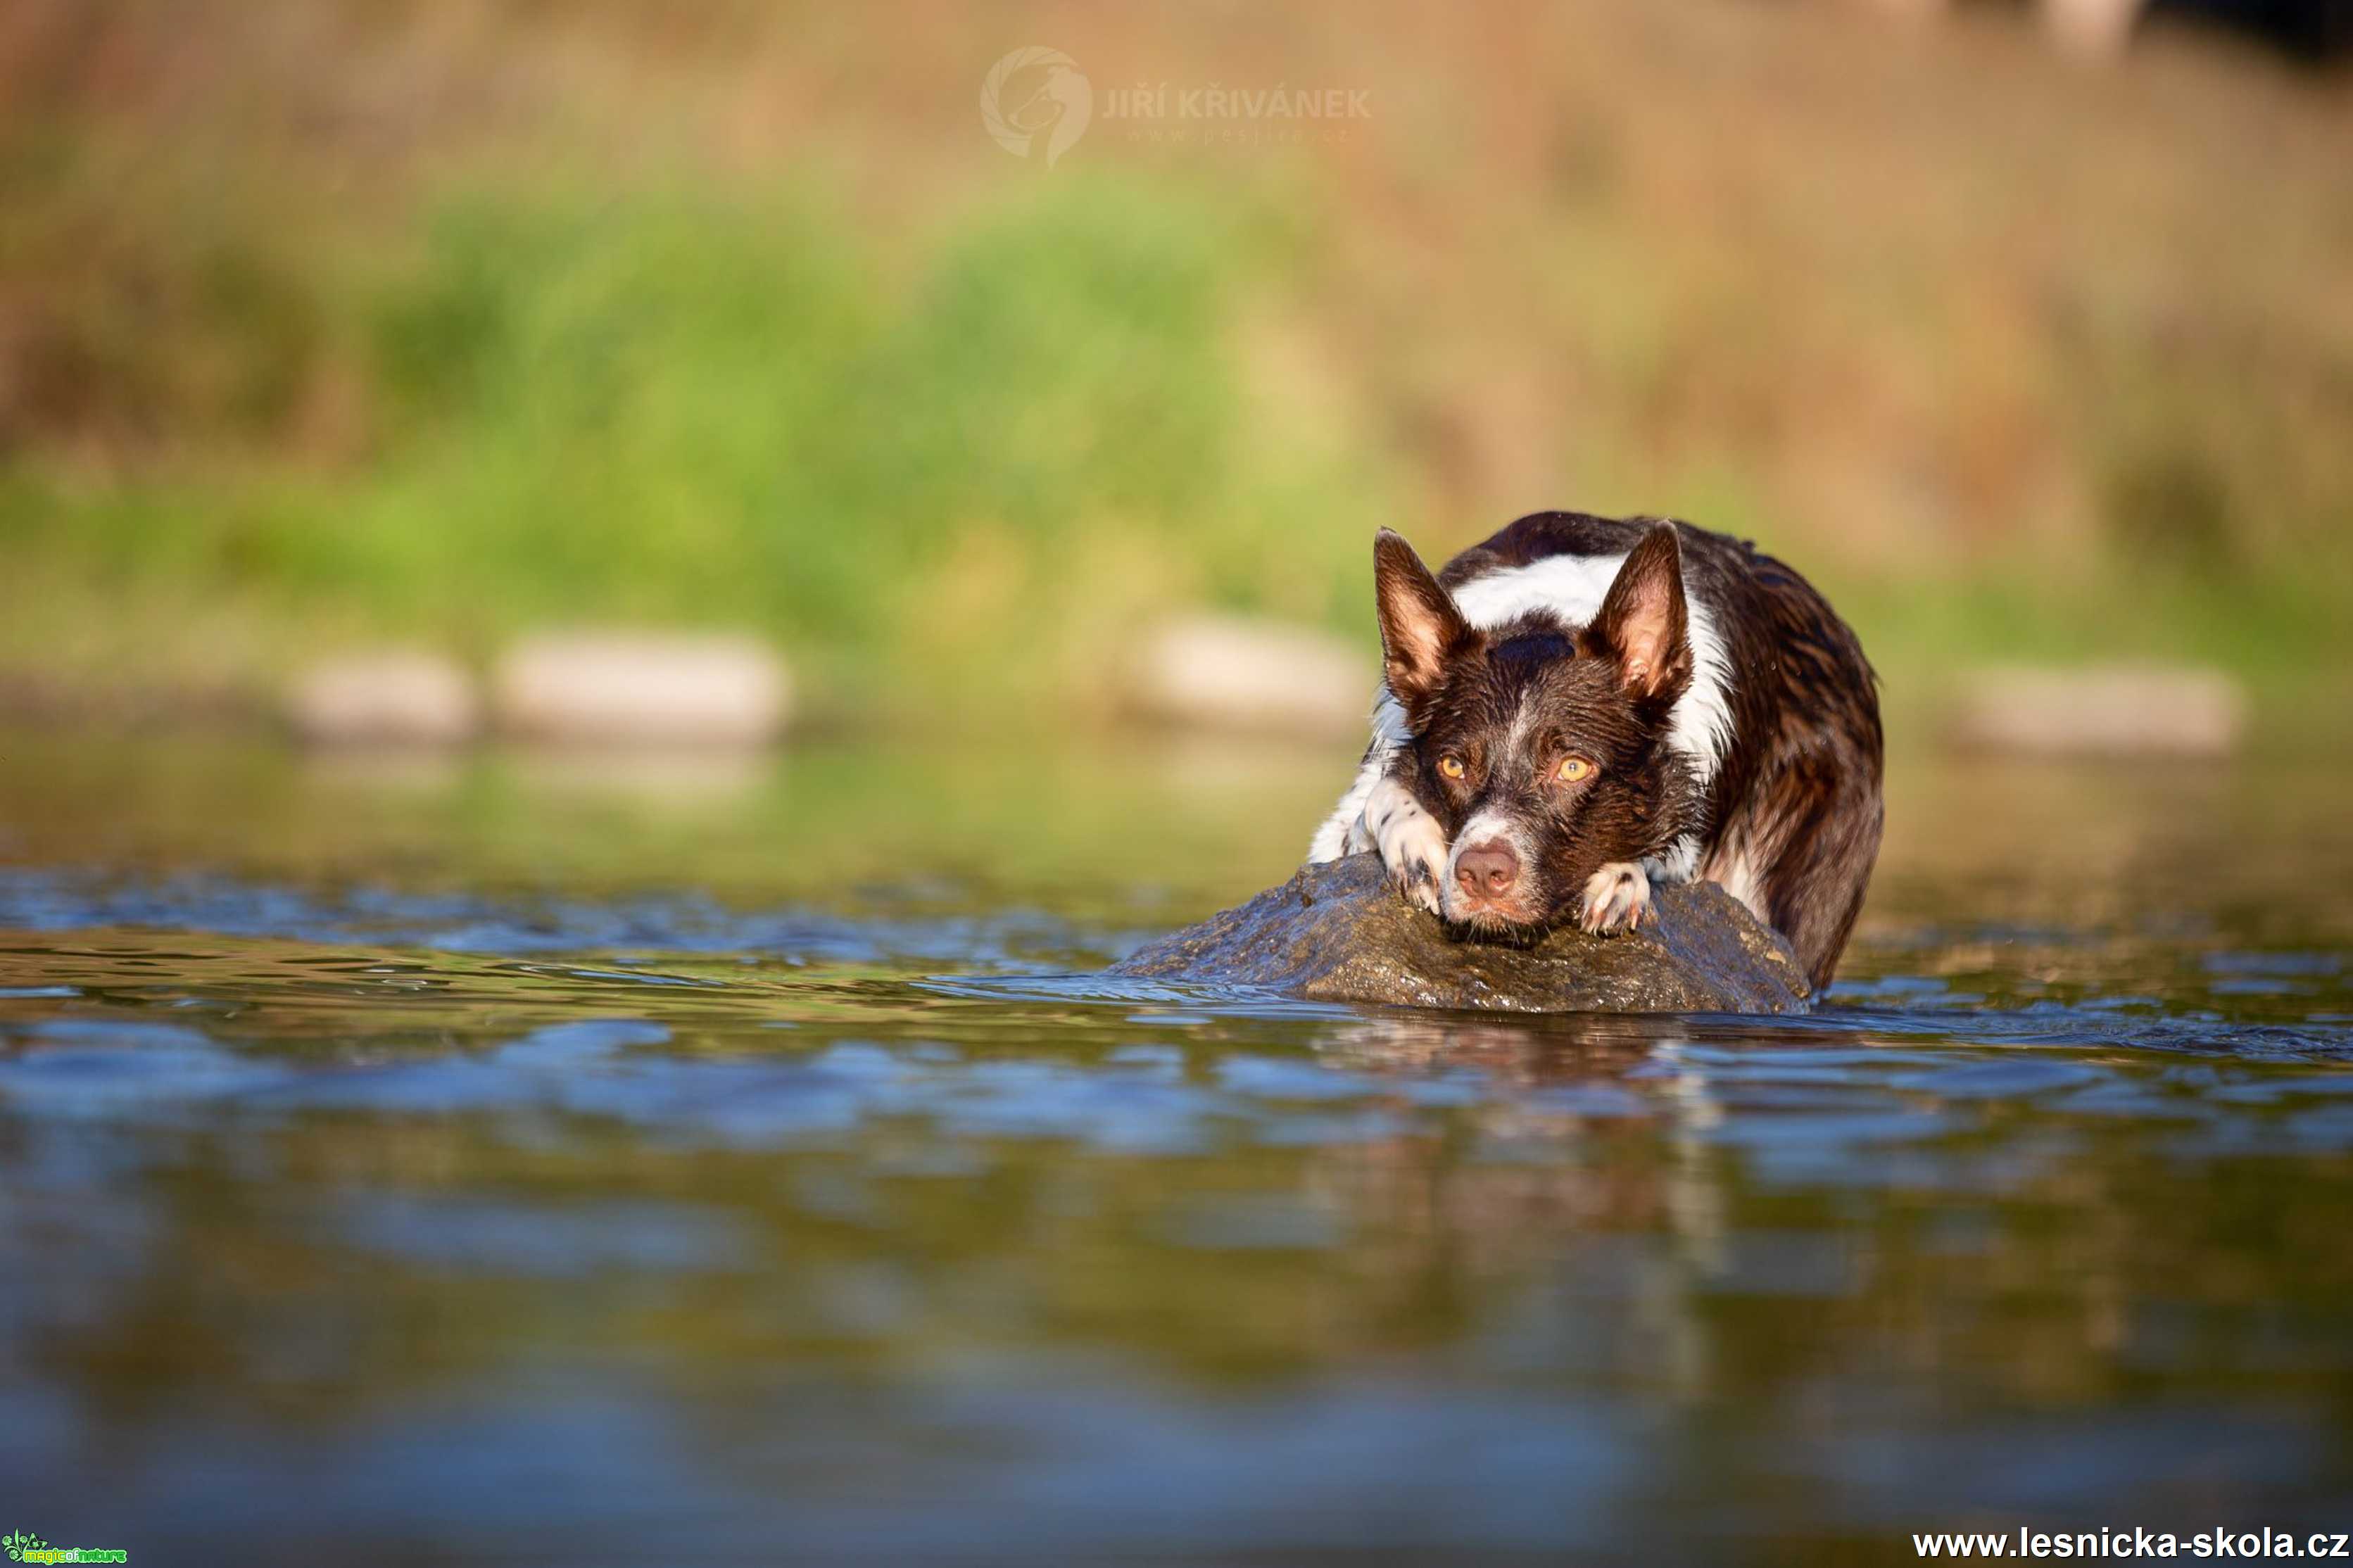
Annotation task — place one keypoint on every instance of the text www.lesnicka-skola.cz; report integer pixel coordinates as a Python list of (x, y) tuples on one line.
[(2133, 1545)]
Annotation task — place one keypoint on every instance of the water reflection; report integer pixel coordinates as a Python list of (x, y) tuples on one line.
[(396, 1215)]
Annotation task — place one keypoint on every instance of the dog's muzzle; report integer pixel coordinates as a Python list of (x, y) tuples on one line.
[(1487, 886)]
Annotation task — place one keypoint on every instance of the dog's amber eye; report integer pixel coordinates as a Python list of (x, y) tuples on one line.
[(1573, 770), (1452, 766)]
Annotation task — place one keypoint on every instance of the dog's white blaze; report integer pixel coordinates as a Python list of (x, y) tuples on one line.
[(1571, 589), (1515, 738), (1490, 823)]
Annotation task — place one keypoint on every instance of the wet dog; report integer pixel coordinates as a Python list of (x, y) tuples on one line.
[(1583, 707)]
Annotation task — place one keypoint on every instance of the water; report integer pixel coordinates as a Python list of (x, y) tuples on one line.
[(552, 1161)]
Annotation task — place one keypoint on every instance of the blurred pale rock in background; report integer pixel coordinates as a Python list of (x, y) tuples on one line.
[(2088, 29), (384, 698), (1227, 673), (642, 690), (2091, 29), (2101, 710)]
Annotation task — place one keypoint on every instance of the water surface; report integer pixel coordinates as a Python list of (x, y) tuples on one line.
[(554, 1160)]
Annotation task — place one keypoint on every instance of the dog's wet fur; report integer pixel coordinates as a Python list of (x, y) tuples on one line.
[(1583, 706)]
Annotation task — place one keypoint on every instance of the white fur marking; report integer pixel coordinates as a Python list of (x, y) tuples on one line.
[(1344, 832), (1523, 719), (1739, 877), (1678, 862), (1339, 831)]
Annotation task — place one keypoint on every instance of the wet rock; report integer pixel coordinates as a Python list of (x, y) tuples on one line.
[(1336, 933), (387, 698), (642, 690), (1227, 673), (2101, 710)]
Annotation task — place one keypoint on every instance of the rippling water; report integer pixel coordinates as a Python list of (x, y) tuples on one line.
[(532, 1161)]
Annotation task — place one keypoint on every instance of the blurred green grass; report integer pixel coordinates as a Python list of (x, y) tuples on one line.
[(654, 407), (2052, 385)]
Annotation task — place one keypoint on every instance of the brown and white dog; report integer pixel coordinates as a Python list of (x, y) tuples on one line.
[(1584, 706)]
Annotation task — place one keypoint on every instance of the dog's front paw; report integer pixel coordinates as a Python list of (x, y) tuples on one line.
[(1412, 844), (1617, 898), (1415, 876)]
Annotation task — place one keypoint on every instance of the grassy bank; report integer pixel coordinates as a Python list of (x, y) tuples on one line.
[(653, 406), (435, 324)]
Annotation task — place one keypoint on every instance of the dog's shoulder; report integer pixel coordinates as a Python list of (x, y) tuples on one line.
[(1563, 562), (1541, 536), (1555, 564), (1714, 563)]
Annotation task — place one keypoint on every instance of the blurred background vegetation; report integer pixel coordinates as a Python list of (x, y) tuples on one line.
[(331, 321)]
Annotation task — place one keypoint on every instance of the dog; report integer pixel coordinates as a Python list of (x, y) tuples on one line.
[(1584, 708)]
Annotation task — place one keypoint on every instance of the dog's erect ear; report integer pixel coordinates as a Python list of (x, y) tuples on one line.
[(1421, 627), (1641, 622)]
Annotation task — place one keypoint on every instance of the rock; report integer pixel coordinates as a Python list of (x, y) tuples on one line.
[(642, 690), (1337, 933), (2101, 710), (387, 698), (1223, 672)]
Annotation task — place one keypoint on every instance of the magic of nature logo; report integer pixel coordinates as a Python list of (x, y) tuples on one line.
[(23, 1547)]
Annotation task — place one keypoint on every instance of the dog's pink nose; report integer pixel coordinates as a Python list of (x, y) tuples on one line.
[(1487, 871)]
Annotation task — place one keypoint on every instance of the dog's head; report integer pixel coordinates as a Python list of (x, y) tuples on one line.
[(1539, 746)]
